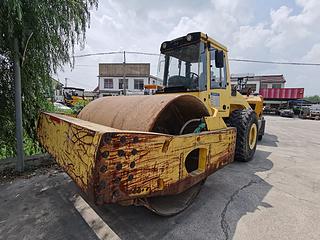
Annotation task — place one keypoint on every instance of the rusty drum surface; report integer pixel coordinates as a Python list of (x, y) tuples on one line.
[(149, 113)]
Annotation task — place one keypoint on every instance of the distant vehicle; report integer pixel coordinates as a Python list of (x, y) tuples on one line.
[(312, 112), (72, 95), (60, 106), (150, 89), (270, 111), (287, 113)]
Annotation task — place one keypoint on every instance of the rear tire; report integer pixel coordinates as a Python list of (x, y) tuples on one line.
[(247, 133)]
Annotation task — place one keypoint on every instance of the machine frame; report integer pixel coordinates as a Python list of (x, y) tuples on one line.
[(114, 154)]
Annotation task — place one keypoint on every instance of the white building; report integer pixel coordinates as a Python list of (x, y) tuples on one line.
[(112, 82)]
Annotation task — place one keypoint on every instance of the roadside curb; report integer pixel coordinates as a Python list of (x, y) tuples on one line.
[(32, 162)]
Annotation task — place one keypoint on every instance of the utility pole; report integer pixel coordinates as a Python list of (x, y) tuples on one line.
[(18, 105), (65, 82), (124, 74)]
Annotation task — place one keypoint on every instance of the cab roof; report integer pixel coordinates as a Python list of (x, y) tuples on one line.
[(205, 37), (191, 38)]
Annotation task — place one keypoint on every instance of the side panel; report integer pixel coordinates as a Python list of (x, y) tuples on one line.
[(72, 146), (282, 93), (256, 103), (140, 165), (221, 98)]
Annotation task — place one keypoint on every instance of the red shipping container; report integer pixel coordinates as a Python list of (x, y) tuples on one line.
[(282, 93)]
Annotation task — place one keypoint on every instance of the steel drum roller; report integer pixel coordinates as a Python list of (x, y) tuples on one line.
[(155, 113), (150, 113)]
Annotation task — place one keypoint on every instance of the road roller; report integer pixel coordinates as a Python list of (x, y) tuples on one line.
[(158, 150)]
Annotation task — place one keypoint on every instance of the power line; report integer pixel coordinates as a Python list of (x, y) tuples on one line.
[(230, 59), (274, 62), (116, 52), (145, 53), (97, 54)]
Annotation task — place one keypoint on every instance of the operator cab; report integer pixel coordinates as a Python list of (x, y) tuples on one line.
[(183, 65)]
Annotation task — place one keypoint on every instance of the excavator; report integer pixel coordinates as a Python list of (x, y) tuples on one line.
[(158, 150)]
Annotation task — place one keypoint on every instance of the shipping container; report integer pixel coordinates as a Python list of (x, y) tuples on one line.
[(282, 93)]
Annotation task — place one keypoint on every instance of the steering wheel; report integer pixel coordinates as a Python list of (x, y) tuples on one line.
[(194, 79)]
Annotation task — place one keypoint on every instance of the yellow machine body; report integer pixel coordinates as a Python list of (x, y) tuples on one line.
[(126, 148), (112, 165), (72, 95), (256, 103), (227, 102), (73, 101)]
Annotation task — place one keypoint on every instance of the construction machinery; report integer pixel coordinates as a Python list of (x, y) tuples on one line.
[(72, 95), (150, 89), (255, 101), (157, 150)]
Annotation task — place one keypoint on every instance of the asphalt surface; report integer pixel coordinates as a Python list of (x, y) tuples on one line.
[(275, 196)]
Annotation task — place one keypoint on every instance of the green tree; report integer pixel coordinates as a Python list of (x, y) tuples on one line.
[(47, 32), (313, 99)]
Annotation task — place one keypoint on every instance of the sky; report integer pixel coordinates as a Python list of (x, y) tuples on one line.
[(271, 30)]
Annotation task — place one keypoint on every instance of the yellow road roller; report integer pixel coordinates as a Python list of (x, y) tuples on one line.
[(157, 150)]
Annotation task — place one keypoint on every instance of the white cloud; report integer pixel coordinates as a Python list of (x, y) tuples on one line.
[(288, 33), (314, 54)]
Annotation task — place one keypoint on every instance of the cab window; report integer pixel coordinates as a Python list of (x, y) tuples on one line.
[(218, 78)]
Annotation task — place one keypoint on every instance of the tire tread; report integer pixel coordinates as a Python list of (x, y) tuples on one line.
[(241, 119)]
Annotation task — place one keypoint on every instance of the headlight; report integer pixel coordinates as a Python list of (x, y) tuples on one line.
[(189, 37), (164, 45)]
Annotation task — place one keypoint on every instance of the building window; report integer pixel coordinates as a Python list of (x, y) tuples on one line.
[(276, 85), (138, 84), (264, 85), (108, 83), (121, 83)]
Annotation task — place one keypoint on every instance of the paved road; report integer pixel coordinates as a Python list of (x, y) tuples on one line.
[(276, 196)]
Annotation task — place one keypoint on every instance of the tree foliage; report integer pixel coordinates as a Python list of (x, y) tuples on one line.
[(313, 99), (47, 32)]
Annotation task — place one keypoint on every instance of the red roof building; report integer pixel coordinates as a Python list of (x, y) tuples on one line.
[(271, 87)]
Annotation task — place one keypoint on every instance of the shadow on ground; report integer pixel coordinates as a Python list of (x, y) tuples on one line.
[(269, 140)]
